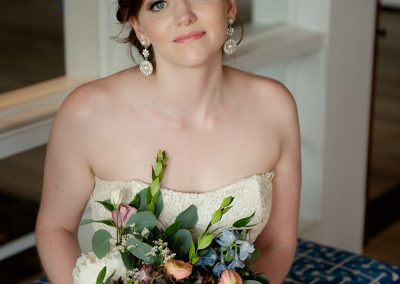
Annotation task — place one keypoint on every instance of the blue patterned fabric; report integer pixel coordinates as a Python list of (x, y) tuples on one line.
[(317, 264)]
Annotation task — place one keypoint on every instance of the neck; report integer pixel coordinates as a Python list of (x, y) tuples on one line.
[(189, 95)]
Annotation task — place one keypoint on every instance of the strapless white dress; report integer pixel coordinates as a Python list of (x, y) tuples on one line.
[(252, 194)]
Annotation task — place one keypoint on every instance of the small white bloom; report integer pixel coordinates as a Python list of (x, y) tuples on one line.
[(88, 267), (116, 197)]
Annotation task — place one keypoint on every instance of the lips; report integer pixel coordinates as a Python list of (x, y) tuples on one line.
[(189, 37)]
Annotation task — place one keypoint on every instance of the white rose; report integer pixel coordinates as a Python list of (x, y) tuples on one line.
[(116, 197), (89, 266)]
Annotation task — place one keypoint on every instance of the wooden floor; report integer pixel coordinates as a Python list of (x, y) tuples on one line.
[(21, 175)]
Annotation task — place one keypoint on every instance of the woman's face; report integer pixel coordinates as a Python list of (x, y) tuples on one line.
[(184, 32)]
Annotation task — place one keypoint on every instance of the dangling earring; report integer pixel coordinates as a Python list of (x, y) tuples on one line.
[(145, 66), (230, 44)]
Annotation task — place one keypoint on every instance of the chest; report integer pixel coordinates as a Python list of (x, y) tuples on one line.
[(199, 158)]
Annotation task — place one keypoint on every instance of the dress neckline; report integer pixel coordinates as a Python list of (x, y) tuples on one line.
[(267, 176)]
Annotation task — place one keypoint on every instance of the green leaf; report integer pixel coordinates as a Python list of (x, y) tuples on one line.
[(143, 203), (101, 276), (136, 201), (192, 251), (227, 201), (181, 242), (105, 222), (205, 241), (144, 219), (159, 205), (188, 218), (159, 168), (155, 186), (216, 217), (263, 279), (243, 222), (251, 282), (127, 259), (101, 243), (195, 259), (226, 209), (107, 204), (153, 173), (108, 280), (172, 229), (139, 249), (148, 197)]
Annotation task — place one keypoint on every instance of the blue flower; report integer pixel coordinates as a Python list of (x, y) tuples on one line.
[(209, 259), (218, 269), (246, 249), (235, 264), (226, 239)]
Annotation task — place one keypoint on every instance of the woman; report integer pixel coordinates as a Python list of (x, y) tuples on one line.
[(219, 126)]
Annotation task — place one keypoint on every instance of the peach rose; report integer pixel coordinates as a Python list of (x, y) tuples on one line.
[(230, 277), (178, 268)]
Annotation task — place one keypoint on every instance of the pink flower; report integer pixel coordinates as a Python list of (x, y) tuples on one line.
[(124, 213), (230, 277), (143, 274), (178, 268)]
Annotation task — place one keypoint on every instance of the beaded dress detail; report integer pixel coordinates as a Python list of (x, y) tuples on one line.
[(253, 193)]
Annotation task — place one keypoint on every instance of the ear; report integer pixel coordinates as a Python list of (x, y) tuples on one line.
[(232, 9), (140, 34)]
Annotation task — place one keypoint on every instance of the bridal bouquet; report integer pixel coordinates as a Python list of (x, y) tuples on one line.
[(143, 250)]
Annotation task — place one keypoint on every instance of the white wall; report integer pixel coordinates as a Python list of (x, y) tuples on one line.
[(349, 58)]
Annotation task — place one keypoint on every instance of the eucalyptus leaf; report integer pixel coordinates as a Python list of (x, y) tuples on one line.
[(159, 205), (136, 201), (101, 243), (188, 218), (127, 259), (227, 201), (181, 242), (107, 204), (101, 275), (205, 241), (139, 249), (251, 282), (144, 219), (143, 202), (243, 222), (263, 279), (172, 229), (216, 217)]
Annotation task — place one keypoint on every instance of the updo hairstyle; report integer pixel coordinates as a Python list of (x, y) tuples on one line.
[(126, 10)]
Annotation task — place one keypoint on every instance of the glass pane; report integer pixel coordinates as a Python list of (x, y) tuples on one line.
[(21, 178), (31, 42)]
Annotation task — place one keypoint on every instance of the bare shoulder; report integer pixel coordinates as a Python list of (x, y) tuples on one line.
[(267, 95), (93, 101)]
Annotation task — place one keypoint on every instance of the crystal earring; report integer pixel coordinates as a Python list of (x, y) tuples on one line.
[(145, 66), (230, 44)]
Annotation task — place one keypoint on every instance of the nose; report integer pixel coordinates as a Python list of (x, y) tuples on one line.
[(184, 14)]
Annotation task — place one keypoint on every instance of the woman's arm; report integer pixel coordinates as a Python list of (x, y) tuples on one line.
[(67, 185), (278, 240)]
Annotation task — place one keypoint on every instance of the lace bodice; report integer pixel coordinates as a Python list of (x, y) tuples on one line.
[(253, 193)]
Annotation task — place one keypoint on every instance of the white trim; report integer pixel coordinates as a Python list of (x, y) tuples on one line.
[(18, 245)]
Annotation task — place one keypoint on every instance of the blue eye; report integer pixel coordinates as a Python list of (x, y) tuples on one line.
[(158, 5)]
